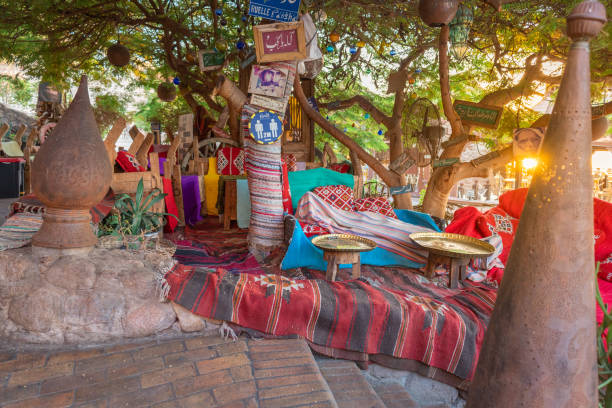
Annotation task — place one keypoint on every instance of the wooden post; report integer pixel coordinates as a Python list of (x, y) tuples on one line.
[(177, 187), (138, 139), (111, 139), (143, 150), (28, 161)]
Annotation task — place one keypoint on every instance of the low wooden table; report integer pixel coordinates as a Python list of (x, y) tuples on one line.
[(341, 249), (457, 267)]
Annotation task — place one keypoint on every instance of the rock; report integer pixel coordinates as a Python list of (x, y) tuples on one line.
[(37, 311), (148, 318), (139, 280), (188, 321), (15, 267), (72, 273)]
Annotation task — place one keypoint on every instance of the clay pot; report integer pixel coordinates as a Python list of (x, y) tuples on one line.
[(70, 175), (437, 13), (586, 20), (118, 55), (166, 91)]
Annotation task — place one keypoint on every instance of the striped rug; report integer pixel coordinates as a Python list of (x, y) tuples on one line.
[(18, 230)]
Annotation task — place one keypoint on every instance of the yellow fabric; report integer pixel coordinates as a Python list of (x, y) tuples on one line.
[(211, 181)]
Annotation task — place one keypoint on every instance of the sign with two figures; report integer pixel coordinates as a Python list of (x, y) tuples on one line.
[(265, 127)]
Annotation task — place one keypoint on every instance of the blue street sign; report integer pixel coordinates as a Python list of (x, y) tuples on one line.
[(265, 127), (278, 10)]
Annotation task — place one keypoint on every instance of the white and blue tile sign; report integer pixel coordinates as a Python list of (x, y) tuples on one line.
[(278, 10), (265, 127)]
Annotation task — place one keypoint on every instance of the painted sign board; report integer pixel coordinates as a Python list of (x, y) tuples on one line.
[(401, 189), (278, 10), (478, 114), (280, 42), (268, 81), (273, 104), (445, 162), (265, 127), (210, 60)]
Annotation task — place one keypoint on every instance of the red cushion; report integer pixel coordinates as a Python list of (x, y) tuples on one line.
[(498, 221), (128, 162), (375, 204), (340, 167), (230, 161), (339, 196), (291, 161), (311, 230), (602, 211)]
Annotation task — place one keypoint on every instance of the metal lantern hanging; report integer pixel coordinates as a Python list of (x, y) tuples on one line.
[(437, 13), (460, 31), (166, 91), (118, 55)]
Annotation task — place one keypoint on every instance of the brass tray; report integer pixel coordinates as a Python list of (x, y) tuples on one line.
[(453, 245), (343, 243)]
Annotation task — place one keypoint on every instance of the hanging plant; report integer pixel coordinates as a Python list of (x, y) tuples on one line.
[(118, 55), (166, 92)]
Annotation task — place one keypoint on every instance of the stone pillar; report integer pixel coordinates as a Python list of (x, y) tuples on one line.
[(539, 349)]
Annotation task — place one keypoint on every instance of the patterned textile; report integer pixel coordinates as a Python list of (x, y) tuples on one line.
[(245, 118), (128, 162), (437, 326), (31, 205), (286, 191), (310, 230), (291, 161), (339, 196), (199, 254), (263, 168), (375, 204), (230, 161), (340, 167), (18, 230), (388, 233), (169, 201)]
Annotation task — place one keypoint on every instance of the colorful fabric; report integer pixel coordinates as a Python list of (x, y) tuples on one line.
[(128, 162), (18, 230), (192, 202), (437, 326), (230, 161), (287, 207), (311, 230), (199, 254), (375, 204), (341, 167), (32, 205), (263, 168), (211, 186), (307, 180), (171, 207), (388, 233), (339, 196), (291, 161)]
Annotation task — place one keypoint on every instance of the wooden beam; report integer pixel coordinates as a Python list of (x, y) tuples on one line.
[(136, 143), (111, 139), (27, 182), (143, 150)]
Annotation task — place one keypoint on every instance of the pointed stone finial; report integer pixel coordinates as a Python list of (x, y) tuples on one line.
[(539, 349)]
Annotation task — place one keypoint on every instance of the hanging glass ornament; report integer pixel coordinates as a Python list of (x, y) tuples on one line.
[(363, 127), (334, 37), (244, 18), (459, 32), (380, 132), (345, 129), (367, 116), (176, 81), (219, 12), (320, 16), (413, 95), (417, 71), (360, 44), (392, 53), (221, 45), (327, 117), (368, 71), (223, 22), (354, 124), (240, 44), (411, 80), (353, 50), (330, 48)]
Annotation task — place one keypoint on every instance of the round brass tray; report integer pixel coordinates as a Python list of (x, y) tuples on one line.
[(343, 243), (453, 245)]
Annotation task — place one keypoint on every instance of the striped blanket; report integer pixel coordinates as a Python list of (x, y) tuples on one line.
[(436, 326), (388, 233), (18, 230)]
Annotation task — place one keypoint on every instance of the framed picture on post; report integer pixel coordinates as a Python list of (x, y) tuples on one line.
[(268, 81), (280, 42)]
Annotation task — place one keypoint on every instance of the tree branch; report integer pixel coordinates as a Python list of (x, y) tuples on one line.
[(447, 103), (363, 102)]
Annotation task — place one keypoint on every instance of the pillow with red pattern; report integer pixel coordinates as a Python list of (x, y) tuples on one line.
[(340, 167), (499, 222), (376, 205), (128, 162), (310, 230), (338, 196)]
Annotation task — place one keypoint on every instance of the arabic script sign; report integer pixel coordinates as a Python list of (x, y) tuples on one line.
[(478, 114), (280, 42), (279, 10)]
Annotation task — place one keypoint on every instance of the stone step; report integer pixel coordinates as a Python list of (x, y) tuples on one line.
[(348, 385), (394, 396)]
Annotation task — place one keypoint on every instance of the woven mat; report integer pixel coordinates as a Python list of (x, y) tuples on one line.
[(18, 230)]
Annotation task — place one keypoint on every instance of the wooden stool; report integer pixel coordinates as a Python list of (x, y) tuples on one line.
[(336, 258), (457, 267)]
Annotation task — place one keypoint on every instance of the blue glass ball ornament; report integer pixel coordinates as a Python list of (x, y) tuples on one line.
[(353, 50), (244, 19), (417, 71), (176, 81), (367, 116), (327, 117), (345, 129), (392, 52), (219, 12), (223, 22), (330, 48), (240, 44), (380, 132)]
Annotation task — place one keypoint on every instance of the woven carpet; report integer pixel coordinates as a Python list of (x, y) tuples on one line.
[(18, 230)]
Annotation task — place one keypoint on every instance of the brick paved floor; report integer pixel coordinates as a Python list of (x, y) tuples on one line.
[(194, 372), (348, 385)]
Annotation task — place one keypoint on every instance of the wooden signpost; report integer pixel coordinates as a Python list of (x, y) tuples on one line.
[(280, 42), (478, 114)]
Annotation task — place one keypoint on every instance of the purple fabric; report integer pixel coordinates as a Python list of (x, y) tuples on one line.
[(162, 160), (191, 199)]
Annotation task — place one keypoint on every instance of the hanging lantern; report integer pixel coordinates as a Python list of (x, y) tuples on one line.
[(221, 45), (118, 55), (219, 12), (334, 37), (176, 81), (166, 92), (360, 44), (330, 48), (437, 13), (460, 31), (353, 50), (392, 53)]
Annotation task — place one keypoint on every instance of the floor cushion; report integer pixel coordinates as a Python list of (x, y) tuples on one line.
[(338, 196)]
